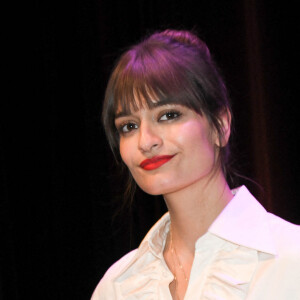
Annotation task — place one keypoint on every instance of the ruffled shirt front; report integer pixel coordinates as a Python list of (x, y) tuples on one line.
[(247, 253)]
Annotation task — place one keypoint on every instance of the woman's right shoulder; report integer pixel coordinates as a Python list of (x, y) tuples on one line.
[(104, 289)]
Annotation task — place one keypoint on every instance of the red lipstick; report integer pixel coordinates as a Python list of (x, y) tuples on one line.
[(155, 162)]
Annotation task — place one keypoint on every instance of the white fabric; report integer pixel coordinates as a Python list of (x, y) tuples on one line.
[(247, 253)]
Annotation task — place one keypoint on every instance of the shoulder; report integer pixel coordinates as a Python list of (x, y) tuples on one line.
[(107, 287), (104, 289), (286, 236)]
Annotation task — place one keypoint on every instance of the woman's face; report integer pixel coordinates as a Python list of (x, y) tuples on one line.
[(166, 148)]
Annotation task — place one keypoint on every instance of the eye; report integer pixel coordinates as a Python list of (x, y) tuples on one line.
[(127, 127), (170, 115)]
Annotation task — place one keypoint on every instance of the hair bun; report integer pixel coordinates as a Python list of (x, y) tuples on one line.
[(187, 38)]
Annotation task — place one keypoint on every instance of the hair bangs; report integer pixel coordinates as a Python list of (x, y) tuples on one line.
[(149, 79)]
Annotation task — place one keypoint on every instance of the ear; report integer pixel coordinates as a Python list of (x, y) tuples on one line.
[(225, 124)]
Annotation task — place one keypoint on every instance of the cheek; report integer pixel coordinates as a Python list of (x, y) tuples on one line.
[(192, 134), (128, 152), (195, 139), (125, 152)]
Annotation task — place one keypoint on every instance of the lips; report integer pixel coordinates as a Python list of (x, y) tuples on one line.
[(155, 162)]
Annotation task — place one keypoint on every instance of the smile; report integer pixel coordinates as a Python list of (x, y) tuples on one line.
[(155, 162)]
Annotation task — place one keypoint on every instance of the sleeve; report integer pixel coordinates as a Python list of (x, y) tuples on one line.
[(105, 288)]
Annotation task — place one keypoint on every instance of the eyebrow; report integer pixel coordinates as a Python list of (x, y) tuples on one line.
[(153, 106)]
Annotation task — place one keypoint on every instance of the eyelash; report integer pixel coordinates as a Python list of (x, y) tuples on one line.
[(123, 125), (171, 112), (170, 115)]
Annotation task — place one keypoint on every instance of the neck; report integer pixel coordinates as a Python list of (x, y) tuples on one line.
[(193, 209)]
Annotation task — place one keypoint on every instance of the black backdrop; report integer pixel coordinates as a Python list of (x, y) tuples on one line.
[(58, 188)]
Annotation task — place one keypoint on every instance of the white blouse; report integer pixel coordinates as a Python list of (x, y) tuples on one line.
[(247, 253)]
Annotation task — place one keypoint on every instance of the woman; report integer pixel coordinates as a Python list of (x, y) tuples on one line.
[(167, 114)]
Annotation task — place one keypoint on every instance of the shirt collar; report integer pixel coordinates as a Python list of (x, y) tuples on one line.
[(156, 237), (154, 241), (243, 221)]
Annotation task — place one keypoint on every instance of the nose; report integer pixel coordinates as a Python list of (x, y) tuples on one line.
[(149, 138)]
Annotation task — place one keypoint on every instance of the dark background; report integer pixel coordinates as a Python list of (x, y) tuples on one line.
[(58, 191)]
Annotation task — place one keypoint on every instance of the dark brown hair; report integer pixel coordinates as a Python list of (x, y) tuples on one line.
[(174, 66)]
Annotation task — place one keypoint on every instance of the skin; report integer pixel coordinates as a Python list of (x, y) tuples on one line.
[(192, 182)]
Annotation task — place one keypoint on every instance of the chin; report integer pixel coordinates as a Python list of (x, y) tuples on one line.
[(158, 188), (152, 190)]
